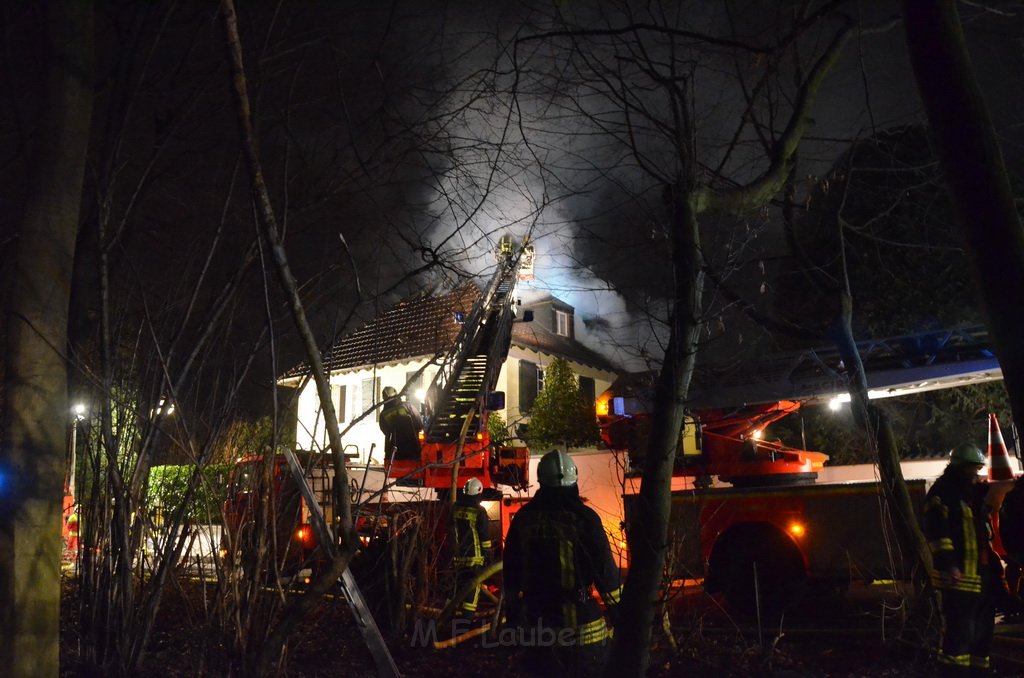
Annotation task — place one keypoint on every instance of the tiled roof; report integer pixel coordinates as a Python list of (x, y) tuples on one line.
[(412, 328), (425, 326)]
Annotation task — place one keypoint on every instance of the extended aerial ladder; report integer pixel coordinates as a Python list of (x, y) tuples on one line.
[(462, 395), (894, 366)]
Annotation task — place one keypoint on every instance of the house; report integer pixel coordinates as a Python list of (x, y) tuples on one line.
[(401, 348)]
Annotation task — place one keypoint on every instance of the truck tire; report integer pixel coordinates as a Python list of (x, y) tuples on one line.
[(763, 551)]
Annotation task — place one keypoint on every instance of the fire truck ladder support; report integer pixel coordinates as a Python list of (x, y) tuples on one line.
[(386, 667)]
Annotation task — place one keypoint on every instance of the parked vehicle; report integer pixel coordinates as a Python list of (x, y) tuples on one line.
[(248, 509), (756, 525)]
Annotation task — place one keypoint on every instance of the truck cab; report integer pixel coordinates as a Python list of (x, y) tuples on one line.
[(248, 508)]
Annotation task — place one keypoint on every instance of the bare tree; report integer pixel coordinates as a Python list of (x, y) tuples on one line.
[(635, 87)]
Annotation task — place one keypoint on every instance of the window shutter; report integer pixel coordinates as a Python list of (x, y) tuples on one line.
[(339, 401), (371, 392), (527, 385)]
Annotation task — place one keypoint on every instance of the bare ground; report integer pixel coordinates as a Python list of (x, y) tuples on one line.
[(328, 644)]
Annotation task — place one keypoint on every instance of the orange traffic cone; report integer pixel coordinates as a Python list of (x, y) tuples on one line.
[(998, 459)]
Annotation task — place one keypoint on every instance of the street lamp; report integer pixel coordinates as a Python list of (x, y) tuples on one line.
[(78, 412), (163, 408)]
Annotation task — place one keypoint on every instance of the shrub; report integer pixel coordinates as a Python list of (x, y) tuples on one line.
[(167, 486)]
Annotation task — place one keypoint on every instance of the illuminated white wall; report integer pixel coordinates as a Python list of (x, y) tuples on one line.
[(360, 434), (363, 438)]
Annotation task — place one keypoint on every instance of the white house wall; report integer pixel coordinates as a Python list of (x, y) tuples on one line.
[(360, 435), (364, 440)]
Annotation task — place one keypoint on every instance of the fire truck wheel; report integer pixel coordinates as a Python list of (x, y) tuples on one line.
[(757, 566)]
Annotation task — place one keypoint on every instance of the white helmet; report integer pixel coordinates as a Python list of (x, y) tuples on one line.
[(556, 469), (473, 487), (967, 455)]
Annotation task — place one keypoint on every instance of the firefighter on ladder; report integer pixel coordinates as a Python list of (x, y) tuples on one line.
[(556, 552), (471, 530), (959, 535)]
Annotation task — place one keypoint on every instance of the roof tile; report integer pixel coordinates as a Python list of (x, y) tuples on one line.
[(426, 325)]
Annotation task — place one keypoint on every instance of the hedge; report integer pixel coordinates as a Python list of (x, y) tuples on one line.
[(167, 485)]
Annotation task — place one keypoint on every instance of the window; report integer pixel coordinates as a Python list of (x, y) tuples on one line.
[(588, 389), (540, 379), (527, 385), (339, 393), (370, 391), (562, 323), (413, 383), (618, 406)]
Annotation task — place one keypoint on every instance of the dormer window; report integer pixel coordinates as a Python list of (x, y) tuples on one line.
[(562, 323)]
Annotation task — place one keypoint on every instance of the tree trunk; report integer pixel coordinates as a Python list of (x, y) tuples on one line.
[(36, 410), (879, 429), (648, 529), (973, 164)]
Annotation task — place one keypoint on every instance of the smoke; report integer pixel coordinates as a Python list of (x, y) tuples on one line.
[(605, 321), (527, 143), (514, 166)]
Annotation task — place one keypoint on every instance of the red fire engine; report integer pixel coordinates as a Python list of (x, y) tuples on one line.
[(455, 442), (288, 512), (461, 396), (766, 527)]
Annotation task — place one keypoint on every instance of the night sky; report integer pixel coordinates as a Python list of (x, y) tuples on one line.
[(408, 137)]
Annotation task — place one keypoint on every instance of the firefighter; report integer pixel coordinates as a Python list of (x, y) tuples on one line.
[(471, 530), (401, 426), (71, 551), (1011, 534), (957, 528), (556, 552)]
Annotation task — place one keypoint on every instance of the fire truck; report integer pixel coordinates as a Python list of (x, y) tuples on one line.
[(286, 522), (753, 521), (455, 442)]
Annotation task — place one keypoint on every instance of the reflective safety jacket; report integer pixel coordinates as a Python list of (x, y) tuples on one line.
[(400, 425), (556, 553), (472, 531), (72, 523), (958, 532)]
